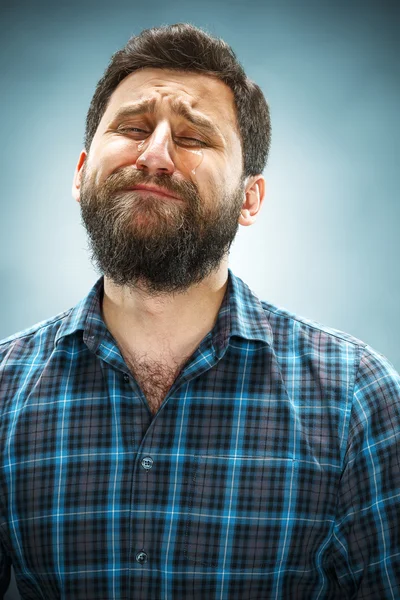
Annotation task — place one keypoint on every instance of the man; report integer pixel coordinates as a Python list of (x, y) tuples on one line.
[(173, 436)]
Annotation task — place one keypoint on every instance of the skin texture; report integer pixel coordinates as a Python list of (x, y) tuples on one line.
[(164, 258)]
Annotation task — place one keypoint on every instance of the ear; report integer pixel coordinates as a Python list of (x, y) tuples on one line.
[(76, 184), (254, 197)]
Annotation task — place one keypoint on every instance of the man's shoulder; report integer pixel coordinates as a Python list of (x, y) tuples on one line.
[(34, 339), (281, 327), (284, 321), (332, 352)]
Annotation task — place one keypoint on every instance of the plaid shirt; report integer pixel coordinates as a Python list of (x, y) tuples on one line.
[(271, 471)]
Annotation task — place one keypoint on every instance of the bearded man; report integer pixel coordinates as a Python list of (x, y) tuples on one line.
[(172, 435)]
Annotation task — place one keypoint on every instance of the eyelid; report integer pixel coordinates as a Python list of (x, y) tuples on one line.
[(139, 130), (200, 142), (122, 125), (125, 127)]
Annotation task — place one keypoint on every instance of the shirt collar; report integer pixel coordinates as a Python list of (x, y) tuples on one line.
[(241, 314), (86, 316)]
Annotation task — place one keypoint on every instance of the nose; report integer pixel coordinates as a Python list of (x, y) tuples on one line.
[(155, 158)]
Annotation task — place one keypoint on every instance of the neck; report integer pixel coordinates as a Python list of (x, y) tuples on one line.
[(177, 321)]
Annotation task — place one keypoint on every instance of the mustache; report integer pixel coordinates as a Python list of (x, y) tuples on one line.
[(126, 177)]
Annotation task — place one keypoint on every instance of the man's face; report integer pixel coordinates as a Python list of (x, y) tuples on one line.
[(182, 138)]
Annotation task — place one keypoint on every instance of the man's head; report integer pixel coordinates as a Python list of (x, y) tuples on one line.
[(174, 110)]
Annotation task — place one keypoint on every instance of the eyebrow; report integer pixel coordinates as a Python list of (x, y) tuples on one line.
[(178, 108)]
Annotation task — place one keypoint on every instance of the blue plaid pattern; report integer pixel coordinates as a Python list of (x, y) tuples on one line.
[(271, 471)]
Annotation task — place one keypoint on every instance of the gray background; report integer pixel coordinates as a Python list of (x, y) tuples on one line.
[(327, 243)]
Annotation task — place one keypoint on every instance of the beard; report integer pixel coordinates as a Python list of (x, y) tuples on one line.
[(159, 245)]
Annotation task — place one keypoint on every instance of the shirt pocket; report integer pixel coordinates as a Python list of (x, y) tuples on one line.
[(238, 510)]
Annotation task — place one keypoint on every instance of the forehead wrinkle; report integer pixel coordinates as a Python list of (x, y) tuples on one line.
[(178, 107), (183, 109), (135, 108)]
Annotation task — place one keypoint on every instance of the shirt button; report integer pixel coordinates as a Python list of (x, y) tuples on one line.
[(141, 557), (147, 462), (126, 378)]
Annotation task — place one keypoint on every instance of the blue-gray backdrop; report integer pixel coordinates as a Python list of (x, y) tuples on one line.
[(327, 243)]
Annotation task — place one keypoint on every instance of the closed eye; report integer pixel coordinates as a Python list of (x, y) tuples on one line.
[(133, 129), (136, 130), (198, 142)]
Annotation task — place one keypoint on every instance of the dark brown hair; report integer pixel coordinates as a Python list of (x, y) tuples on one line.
[(184, 47)]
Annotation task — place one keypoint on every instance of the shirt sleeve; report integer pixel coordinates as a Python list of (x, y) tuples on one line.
[(366, 536)]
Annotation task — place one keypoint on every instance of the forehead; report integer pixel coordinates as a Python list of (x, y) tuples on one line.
[(202, 93)]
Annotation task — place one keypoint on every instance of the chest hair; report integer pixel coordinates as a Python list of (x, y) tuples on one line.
[(155, 377)]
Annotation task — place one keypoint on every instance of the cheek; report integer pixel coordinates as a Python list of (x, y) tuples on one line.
[(118, 153), (215, 183), (209, 177)]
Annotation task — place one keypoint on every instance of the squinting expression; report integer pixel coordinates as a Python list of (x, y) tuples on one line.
[(162, 189), (186, 121)]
